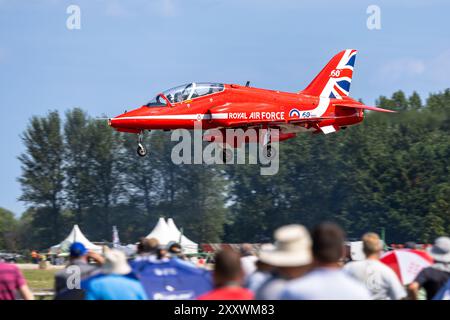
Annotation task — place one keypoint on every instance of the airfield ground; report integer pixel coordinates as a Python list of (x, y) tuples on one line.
[(41, 281)]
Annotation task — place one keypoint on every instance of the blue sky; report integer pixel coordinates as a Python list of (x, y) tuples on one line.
[(126, 51)]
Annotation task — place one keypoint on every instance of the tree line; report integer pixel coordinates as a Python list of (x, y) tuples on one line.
[(391, 172)]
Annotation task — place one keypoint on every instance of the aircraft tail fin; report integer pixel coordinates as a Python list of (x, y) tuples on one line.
[(335, 78)]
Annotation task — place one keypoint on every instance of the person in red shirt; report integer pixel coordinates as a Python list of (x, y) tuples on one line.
[(228, 278), (13, 282)]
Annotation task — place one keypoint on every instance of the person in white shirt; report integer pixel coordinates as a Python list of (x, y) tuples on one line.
[(326, 280), (381, 280), (248, 259)]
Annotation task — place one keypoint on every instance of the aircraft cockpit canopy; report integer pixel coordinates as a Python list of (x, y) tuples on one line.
[(186, 92)]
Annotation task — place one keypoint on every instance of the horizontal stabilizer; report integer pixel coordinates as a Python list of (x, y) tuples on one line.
[(364, 107)]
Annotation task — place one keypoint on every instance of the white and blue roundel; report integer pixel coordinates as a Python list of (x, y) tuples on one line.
[(294, 113)]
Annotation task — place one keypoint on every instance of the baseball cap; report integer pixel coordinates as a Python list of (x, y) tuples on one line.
[(77, 249)]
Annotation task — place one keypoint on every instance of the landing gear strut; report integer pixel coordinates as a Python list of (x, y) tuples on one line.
[(227, 155), (141, 150), (268, 152)]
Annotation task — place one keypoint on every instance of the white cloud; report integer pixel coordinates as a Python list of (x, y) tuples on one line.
[(115, 9), (439, 68), (165, 8), (402, 68), (168, 8), (435, 70)]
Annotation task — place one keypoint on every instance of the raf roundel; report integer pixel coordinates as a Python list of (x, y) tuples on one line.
[(294, 113)]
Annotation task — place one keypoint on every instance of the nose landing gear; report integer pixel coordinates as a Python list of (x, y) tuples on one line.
[(141, 150)]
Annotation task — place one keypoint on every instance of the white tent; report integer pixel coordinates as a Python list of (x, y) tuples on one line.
[(167, 232), (188, 245), (161, 232), (75, 236)]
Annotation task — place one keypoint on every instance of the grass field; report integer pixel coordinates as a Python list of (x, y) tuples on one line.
[(39, 279)]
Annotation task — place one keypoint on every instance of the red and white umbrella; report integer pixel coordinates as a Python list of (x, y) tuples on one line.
[(407, 263)]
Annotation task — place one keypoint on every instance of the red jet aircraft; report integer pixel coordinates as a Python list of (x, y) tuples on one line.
[(324, 106)]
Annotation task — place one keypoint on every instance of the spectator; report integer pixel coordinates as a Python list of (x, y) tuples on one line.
[(147, 249), (433, 278), (326, 281), (444, 293), (34, 257), (115, 282), (12, 283), (79, 256), (174, 250), (228, 278), (410, 245), (262, 273), (248, 259), (381, 280), (290, 259)]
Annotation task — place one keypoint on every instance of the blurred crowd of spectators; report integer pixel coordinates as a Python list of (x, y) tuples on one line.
[(299, 265)]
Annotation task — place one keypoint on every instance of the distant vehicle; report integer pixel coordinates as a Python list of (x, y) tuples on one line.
[(10, 257), (322, 107)]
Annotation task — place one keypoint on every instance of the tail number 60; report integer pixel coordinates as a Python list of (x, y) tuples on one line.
[(335, 73)]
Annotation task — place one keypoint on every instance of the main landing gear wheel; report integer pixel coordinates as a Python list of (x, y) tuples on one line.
[(141, 150), (269, 152)]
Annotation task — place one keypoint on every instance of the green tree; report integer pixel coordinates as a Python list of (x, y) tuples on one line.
[(104, 149), (414, 101), (8, 230), (42, 169), (78, 163)]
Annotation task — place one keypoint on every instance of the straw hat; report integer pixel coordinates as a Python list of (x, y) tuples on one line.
[(292, 247), (116, 262)]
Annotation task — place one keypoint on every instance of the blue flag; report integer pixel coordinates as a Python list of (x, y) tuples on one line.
[(171, 279)]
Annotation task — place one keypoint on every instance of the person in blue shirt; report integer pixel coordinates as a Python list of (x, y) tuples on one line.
[(115, 282)]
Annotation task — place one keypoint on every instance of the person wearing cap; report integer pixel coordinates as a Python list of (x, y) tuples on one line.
[(381, 280), (228, 278), (115, 282), (410, 245), (433, 278), (326, 280), (79, 258), (290, 259)]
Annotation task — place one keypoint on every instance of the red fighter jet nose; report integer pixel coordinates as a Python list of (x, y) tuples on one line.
[(123, 125), (114, 122)]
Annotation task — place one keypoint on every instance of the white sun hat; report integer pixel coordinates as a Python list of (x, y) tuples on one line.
[(440, 251), (292, 247), (116, 262)]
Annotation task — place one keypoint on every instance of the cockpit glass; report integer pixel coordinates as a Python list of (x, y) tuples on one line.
[(192, 90), (185, 92), (157, 101)]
